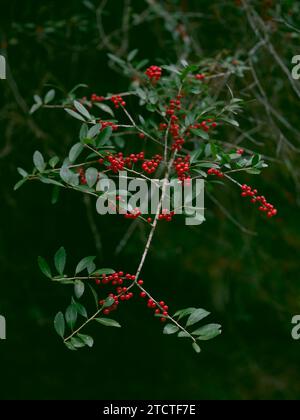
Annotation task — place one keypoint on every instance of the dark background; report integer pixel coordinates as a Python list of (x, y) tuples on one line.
[(249, 283)]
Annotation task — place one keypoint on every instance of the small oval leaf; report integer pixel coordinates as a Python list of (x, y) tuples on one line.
[(170, 329), (60, 260), (59, 324), (196, 316), (196, 347), (39, 161), (108, 322), (79, 288), (75, 151), (71, 316), (82, 110), (84, 263), (44, 267), (88, 340)]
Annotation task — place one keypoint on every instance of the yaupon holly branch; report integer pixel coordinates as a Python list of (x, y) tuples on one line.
[(172, 140)]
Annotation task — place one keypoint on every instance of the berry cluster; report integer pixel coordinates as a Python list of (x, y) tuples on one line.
[(178, 140), (166, 215), (240, 151), (266, 207), (82, 177), (117, 100), (150, 166), (213, 171), (134, 214), (204, 125), (118, 161), (174, 105), (105, 124), (122, 293), (97, 98), (182, 168), (154, 73), (200, 76), (160, 307)]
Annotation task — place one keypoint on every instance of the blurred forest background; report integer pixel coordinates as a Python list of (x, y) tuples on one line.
[(249, 282)]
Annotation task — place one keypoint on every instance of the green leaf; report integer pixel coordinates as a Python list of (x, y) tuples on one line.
[(19, 184), (89, 5), (59, 324), (104, 136), (153, 97), (93, 131), (196, 316), (44, 267), (75, 151), (83, 131), (53, 161), (49, 96), (116, 59), (50, 181), (84, 263), (91, 267), (71, 316), (183, 334), (207, 150), (82, 110), (77, 343), (132, 54), (207, 165), (196, 347), (74, 114), (231, 121), (188, 70), (38, 99), (170, 329), (208, 332), (86, 339), (60, 260), (105, 108), (80, 308), (200, 133), (253, 171), (91, 175), (34, 108), (78, 288), (95, 296), (108, 302), (76, 87), (68, 176), (22, 172), (234, 156), (70, 345), (255, 160), (39, 161), (103, 271), (108, 322), (142, 94), (183, 312), (195, 154)]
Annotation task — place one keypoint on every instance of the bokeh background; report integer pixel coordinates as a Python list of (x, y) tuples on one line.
[(249, 282)]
